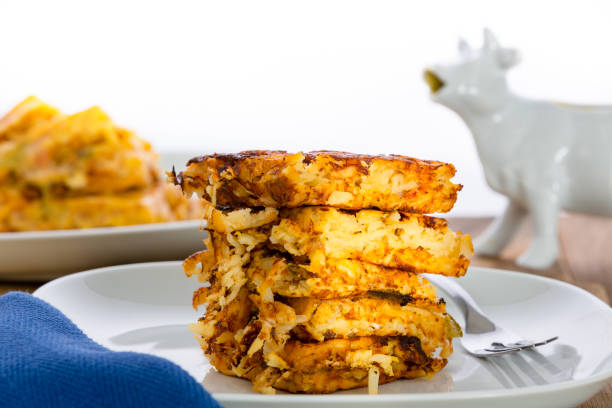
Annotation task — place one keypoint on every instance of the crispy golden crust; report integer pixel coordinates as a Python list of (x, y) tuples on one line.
[(336, 278), (23, 213), (407, 241), (343, 180)]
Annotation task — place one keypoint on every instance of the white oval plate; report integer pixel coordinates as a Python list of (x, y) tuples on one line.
[(146, 308), (44, 255)]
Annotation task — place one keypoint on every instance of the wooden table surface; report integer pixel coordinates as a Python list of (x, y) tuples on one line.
[(585, 261)]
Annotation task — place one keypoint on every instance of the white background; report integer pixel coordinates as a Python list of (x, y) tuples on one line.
[(225, 76)]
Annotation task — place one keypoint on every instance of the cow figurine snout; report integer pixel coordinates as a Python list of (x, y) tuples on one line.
[(544, 156)]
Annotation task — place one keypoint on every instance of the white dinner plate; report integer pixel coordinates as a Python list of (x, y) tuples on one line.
[(146, 308), (44, 255)]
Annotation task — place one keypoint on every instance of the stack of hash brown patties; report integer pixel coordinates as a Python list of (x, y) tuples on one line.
[(313, 261)]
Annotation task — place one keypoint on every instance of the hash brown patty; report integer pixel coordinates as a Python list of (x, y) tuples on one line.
[(344, 180)]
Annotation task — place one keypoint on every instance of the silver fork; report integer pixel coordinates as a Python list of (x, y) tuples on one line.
[(481, 336)]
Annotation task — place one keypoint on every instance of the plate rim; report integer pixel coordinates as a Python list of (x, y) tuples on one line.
[(99, 231), (396, 397)]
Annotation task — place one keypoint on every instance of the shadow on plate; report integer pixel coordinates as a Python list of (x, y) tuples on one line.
[(530, 367), (172, 336)]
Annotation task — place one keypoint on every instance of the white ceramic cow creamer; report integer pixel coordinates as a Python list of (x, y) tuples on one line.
[(544, 156)]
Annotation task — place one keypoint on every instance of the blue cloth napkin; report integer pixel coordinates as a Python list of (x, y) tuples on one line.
[(47, 361)]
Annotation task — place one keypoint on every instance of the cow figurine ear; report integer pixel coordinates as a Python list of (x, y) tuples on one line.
[(464, 47), (508, 57), (490, 42)]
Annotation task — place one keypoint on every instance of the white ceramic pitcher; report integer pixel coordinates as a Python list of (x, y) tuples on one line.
[(544, 156)]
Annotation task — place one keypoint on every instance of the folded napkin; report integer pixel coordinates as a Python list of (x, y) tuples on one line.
[(46, 361)]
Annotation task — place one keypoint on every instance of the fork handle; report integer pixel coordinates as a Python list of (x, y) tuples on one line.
[(475, 319)]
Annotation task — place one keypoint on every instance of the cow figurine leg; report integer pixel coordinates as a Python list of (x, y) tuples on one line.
[(544, 249), (499, 234)]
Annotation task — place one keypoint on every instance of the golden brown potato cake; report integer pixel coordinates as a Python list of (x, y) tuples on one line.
[(79, 154), (374, 316), (326, 381), (412, 242), (19, 212), (313, 320), (346, 363), (269, 270), (328, 366), (359, 352), (343, 180), (237, 258)]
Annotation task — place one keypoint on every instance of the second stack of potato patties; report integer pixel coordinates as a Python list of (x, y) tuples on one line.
[(313, 261), (61, 171)]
